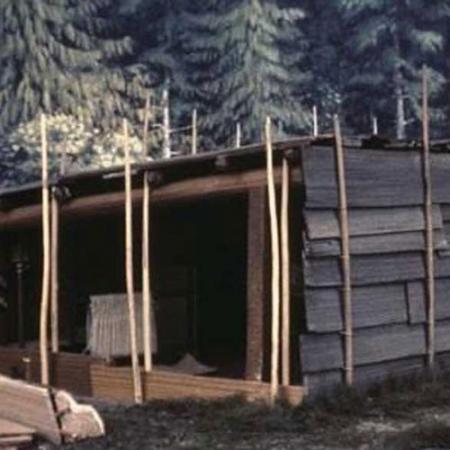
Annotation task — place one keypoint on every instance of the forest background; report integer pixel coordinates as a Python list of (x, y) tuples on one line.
[(90, 63)]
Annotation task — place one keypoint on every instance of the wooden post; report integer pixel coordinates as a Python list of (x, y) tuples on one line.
[(20, 304), (285, 280), (166, 125), (146, 122), (375, 125), (428, 206), (256, 289), (315, 122), (194, 132), (275, 244), (345, 255), (238, 135), (129, 270), (43, 323), (146, 285), (54, 272)]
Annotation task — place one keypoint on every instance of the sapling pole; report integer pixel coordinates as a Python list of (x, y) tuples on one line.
[(138, 396), (54, 267), (275, 248), (315, 122), (428, 206), (146, 122), (238, 135), (285, 277), (194, 132), (167, 153), (43, 323), (146, 285), (345, 253)]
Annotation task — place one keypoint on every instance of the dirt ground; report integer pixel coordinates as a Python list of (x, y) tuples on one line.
[(404, 415)]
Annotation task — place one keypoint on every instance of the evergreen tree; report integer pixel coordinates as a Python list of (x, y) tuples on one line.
[(388, 43), (54, 56), (242, 61)]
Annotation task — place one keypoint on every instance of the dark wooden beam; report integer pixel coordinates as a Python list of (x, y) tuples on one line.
[(256, 270), (111, 202)]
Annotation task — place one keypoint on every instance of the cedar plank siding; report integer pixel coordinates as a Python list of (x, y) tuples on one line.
[(387, 244)]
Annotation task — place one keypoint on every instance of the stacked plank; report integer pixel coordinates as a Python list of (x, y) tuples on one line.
[(49, 414), (387, 247), (14, 435), (115, 383)]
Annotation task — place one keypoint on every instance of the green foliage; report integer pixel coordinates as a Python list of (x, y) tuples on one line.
[(389, 42), (57, 55)]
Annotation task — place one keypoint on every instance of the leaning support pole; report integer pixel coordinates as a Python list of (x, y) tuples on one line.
[(275, 245), (54, 266), (129, 269), (43, 323), (428, 205), (345, 254), (285, 277)]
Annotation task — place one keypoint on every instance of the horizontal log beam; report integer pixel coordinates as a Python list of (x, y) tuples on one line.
[(100, 204)]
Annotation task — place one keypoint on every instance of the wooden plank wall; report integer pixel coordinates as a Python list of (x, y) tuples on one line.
[(387, 245)]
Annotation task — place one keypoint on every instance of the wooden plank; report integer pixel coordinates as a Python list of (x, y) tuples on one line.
[(101, 204), (9, 428), (324, 224), (256, 289), (374, 269), (371, 345), (378, 244), (39, 412), (372, 306), (417, 301), (375, 178)]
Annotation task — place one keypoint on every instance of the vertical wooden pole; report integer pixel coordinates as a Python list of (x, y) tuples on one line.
[(285, 280), (129, 269), (146, 285), (375, 126), (146, 122), (20, 304), (428, 204), (345, 255), (54, 273), (275, 244), (194, 132), (43, 323), (315, 122), (167, 153), (238, 135), (256, 286)]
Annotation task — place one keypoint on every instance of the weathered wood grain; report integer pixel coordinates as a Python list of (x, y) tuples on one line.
[(371, 345), (376, 178), (379, 244), (417, 301), (30, 406), (372, 306), (323, 224), (373, 269)]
